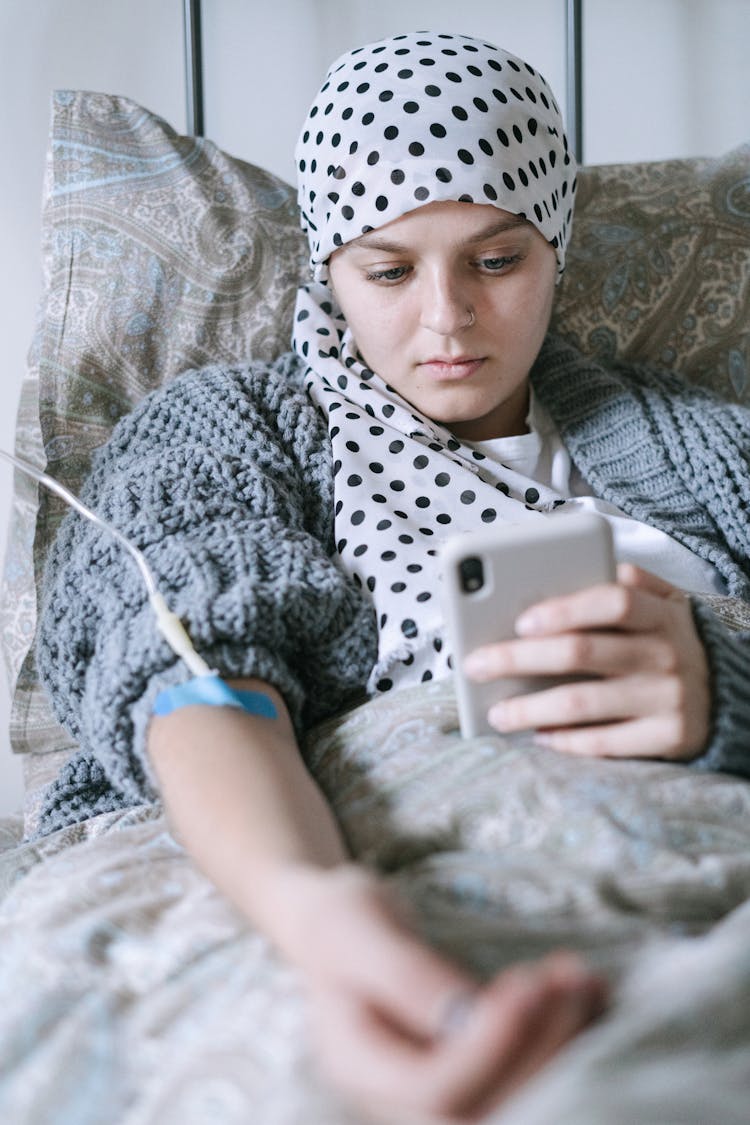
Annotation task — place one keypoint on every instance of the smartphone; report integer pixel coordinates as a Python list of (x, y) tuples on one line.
[(490, 577)]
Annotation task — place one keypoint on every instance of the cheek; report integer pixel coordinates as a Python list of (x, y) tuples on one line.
[(534, 302), (373, 327), (377, 321), (543, 302), (519, 315), (356, 303)]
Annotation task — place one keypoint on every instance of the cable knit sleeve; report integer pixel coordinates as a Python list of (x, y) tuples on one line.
[(677, 457), (728, 655), (223, 479)]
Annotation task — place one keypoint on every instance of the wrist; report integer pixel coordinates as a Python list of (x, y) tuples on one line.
[(291, 903)]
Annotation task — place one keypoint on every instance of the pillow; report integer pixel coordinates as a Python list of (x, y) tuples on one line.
[(162, 253), (659, 268)]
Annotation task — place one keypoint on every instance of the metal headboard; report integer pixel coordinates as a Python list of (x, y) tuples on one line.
[(193, 67), (573, 71), (574, 75)]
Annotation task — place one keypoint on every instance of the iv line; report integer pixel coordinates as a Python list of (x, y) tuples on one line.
[(169, 624)]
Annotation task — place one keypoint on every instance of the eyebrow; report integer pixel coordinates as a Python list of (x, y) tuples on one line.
[(373, 241)]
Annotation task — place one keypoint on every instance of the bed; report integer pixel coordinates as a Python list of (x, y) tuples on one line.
[(130, 991)]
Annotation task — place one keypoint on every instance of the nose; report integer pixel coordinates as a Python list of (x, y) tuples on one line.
[(445, 305)]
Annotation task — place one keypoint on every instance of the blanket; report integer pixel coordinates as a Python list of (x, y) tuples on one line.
[(131, 992)]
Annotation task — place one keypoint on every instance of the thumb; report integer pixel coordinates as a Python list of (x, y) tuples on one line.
[(398, 973), (414, 985), (628, 574)]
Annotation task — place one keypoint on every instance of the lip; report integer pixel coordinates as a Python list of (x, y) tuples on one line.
[(447, 368)]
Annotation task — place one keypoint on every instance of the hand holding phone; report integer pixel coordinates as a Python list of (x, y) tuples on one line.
[(491, 577)]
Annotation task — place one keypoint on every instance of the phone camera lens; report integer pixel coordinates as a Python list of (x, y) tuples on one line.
[(471, 574)]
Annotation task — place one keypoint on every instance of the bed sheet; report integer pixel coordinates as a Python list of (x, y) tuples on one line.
[(131, 992)]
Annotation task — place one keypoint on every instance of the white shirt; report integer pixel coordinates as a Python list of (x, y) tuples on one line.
[(541, 456)]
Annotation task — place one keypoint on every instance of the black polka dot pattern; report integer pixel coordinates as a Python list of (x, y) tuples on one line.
[(416, 118), (408, 119), (403, 485)]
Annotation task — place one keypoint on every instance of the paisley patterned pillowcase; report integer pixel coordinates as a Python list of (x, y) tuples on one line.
[(162, 253), (659, 268)]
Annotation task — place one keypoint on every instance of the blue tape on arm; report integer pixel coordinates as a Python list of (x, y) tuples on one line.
[(216, 693)]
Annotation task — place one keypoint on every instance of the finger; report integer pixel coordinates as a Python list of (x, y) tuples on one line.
[(565, 1014), (630, 575), (570, 970), (416, 988), (490, 1058), (523, 1017), (408, 981), (588, 701), (660, 736), (580, 653), (520, 1019), (361, 1052), (373, 1060), (597, 607)]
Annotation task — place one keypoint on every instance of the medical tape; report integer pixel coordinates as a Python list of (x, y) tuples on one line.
[(215, 692)]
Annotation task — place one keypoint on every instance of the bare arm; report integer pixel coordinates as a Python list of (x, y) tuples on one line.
[(242, 802), (240, 798)]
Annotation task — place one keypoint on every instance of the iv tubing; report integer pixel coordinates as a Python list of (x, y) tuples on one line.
[(169, 624)]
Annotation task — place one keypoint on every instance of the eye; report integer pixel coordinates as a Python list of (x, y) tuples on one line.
[(496, 265), (394, 274)]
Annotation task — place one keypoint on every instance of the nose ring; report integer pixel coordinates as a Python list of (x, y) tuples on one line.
[(472, 319)]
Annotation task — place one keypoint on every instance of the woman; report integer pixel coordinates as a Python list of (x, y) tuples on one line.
[(299, 545)]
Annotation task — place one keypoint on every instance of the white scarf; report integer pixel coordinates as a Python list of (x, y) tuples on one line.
[(408, 120), (403, 484)]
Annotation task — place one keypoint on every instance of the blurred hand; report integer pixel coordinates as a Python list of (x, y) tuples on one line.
[(403, 1032), (650, 695)]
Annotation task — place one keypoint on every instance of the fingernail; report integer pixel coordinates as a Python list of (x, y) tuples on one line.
[(498, 716), (476, 666), (528, 622)]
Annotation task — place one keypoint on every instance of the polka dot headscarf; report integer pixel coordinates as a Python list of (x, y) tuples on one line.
[(423, 117), (399, 124)]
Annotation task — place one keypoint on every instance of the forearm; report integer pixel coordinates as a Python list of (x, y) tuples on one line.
[(239, 797)]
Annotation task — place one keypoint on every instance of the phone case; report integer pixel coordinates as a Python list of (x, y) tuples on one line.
[(490, 577)]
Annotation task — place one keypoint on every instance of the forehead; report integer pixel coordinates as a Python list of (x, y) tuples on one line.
[(448, 222)]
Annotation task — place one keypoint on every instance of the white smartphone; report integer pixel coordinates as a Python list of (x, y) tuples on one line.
[(490, 577)]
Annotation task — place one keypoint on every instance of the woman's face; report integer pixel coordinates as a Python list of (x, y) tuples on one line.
[(449, 304)]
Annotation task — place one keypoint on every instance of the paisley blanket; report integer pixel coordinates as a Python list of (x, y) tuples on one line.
[(130, 992)]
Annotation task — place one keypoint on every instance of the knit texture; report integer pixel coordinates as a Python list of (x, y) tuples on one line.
[(668, 453), (676, 457), (224, 479), (729, 660)]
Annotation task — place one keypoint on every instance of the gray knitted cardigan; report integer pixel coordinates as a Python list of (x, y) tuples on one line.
[(224, 478)]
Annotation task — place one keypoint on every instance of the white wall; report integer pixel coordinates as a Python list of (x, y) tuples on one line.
[(293, 43), (663, 78)]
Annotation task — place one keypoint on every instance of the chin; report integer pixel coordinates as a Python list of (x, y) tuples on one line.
[(464, 415)]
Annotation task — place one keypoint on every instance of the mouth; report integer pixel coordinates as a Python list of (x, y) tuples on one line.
[(448, 368)]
